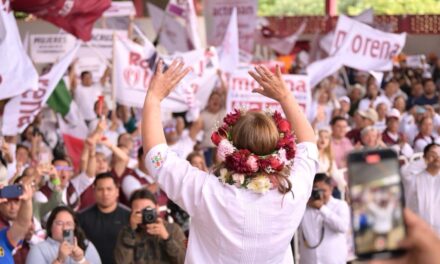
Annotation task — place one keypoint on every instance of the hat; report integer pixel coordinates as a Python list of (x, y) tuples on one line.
[(345, 99), (393, 113), (370, 113)]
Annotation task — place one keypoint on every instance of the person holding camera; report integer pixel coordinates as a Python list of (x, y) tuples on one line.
[(324, 226), (148, 238)]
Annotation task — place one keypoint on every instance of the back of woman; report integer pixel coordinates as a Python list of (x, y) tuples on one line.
[(248, 208)]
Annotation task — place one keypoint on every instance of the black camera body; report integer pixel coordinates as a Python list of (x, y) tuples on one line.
[(149, 215), (317, 194)]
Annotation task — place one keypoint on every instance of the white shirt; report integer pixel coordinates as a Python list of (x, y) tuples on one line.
[(366, 102), (231, 225), (382, 217), (424, 190), (335, 217), (85, 98), (131, 184), (421, 143)]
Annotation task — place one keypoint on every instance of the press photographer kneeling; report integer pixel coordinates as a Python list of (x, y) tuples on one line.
[(324, 226), (149, 238)]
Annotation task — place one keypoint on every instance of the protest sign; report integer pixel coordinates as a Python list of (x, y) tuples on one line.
[(240, 93), (120, 9), (48, 48), (101, 44), (217, 14)]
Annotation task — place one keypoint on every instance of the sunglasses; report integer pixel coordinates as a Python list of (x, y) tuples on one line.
[(63, 168)]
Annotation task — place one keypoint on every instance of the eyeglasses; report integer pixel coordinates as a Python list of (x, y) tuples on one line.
[(63, 168), (64, 224), (169, 129)]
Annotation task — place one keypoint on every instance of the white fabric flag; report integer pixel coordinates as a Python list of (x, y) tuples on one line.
[(133, 65), (17, 74), (186, 10), (21, 110), (229, 53), (281, 45), (358, 46), (172, 34)]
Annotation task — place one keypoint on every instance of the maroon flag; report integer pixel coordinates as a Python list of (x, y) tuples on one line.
[(74, 16)]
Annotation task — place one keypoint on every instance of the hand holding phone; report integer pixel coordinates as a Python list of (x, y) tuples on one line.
[(11, 191), (68, 236)]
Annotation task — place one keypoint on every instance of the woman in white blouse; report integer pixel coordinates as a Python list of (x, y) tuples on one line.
[(238, 218)]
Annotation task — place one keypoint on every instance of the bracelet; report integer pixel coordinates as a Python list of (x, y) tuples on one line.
[(81, 261)]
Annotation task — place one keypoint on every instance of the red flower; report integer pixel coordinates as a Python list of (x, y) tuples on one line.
[(237, 161), (288, 143), (216, 138), (283, 126), (277, 116), (232, 118), (271, 162)]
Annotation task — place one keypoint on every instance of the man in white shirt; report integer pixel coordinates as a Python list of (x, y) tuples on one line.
[(322, 235), (372, 98), (423, 189)]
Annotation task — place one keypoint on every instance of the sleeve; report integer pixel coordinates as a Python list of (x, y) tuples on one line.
[(181, 182), (54, 200), (125, 245), (92, 255), (175, 245), (337, 220), (305, 166), (81, 182), (129, 185), (35, 256)]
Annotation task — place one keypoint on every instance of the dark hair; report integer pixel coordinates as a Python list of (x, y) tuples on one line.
[(336, 119), (425, 81), (429, 147), (105, 175), (322, 177), (83, 73), (140, 152), (78, 232), (193, 155), (19, 146), (62, 158), (142, 194), (121, 135)]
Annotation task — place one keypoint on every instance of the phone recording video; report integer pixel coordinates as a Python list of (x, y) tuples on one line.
[(13, 191), (68, 236), (377, 203)]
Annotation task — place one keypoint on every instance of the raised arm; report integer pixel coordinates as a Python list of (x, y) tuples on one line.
[(161, 85), (274, 87), (21, 226)]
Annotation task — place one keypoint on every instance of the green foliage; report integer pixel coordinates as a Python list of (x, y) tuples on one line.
[(350, 7)]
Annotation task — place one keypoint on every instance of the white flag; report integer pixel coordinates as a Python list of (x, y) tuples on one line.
[(17, 73), (229, 54), (186, 10), (281, 45), (21, 110)]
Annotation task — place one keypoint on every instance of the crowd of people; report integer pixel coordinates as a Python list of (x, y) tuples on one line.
[(129, 200)]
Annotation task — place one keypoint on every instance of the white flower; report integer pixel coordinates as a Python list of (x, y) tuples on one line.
[(260, 184), (224, 148), (238, 179), (223, 175), (282, 156)]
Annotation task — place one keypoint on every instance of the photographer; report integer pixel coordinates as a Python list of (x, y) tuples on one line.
[(148, 238), (324, 226)]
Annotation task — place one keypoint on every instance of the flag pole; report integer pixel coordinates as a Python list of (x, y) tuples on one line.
[(113, 94)]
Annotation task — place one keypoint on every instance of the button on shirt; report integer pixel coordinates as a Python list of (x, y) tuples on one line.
[(335, 217), (231, 225)]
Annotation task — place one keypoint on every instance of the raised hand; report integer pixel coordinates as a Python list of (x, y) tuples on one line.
[(163, 83), (271, 85)]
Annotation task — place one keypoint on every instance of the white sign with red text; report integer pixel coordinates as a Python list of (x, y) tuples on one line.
[(240, 93), (217, 15), (48, 48)]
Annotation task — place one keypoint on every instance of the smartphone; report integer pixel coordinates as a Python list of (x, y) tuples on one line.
[(68, 236), (376, 194), (11, 191)]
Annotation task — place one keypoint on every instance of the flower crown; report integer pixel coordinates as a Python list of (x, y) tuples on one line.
[(245, 169)]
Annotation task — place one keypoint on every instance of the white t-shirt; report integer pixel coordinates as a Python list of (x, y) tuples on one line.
[(85, 98), (231, 225)]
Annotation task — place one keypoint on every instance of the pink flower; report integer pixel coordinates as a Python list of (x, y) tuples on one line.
[(238, 179), (225, 148), (252, 163), (232, 118)]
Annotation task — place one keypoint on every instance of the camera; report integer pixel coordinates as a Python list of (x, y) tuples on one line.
[(149, 215), (317, 194)]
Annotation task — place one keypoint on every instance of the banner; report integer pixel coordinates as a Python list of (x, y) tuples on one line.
[(101, 43), (185, 9), (358, 46), (21, 110), (172, 34), (17, 73), (240, 93), (120, 9), (48, 48), (76, 17), (217, 14), (132, 74)]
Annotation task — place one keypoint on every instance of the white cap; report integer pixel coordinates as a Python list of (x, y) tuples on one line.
[(345, 99), (393, 113)]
